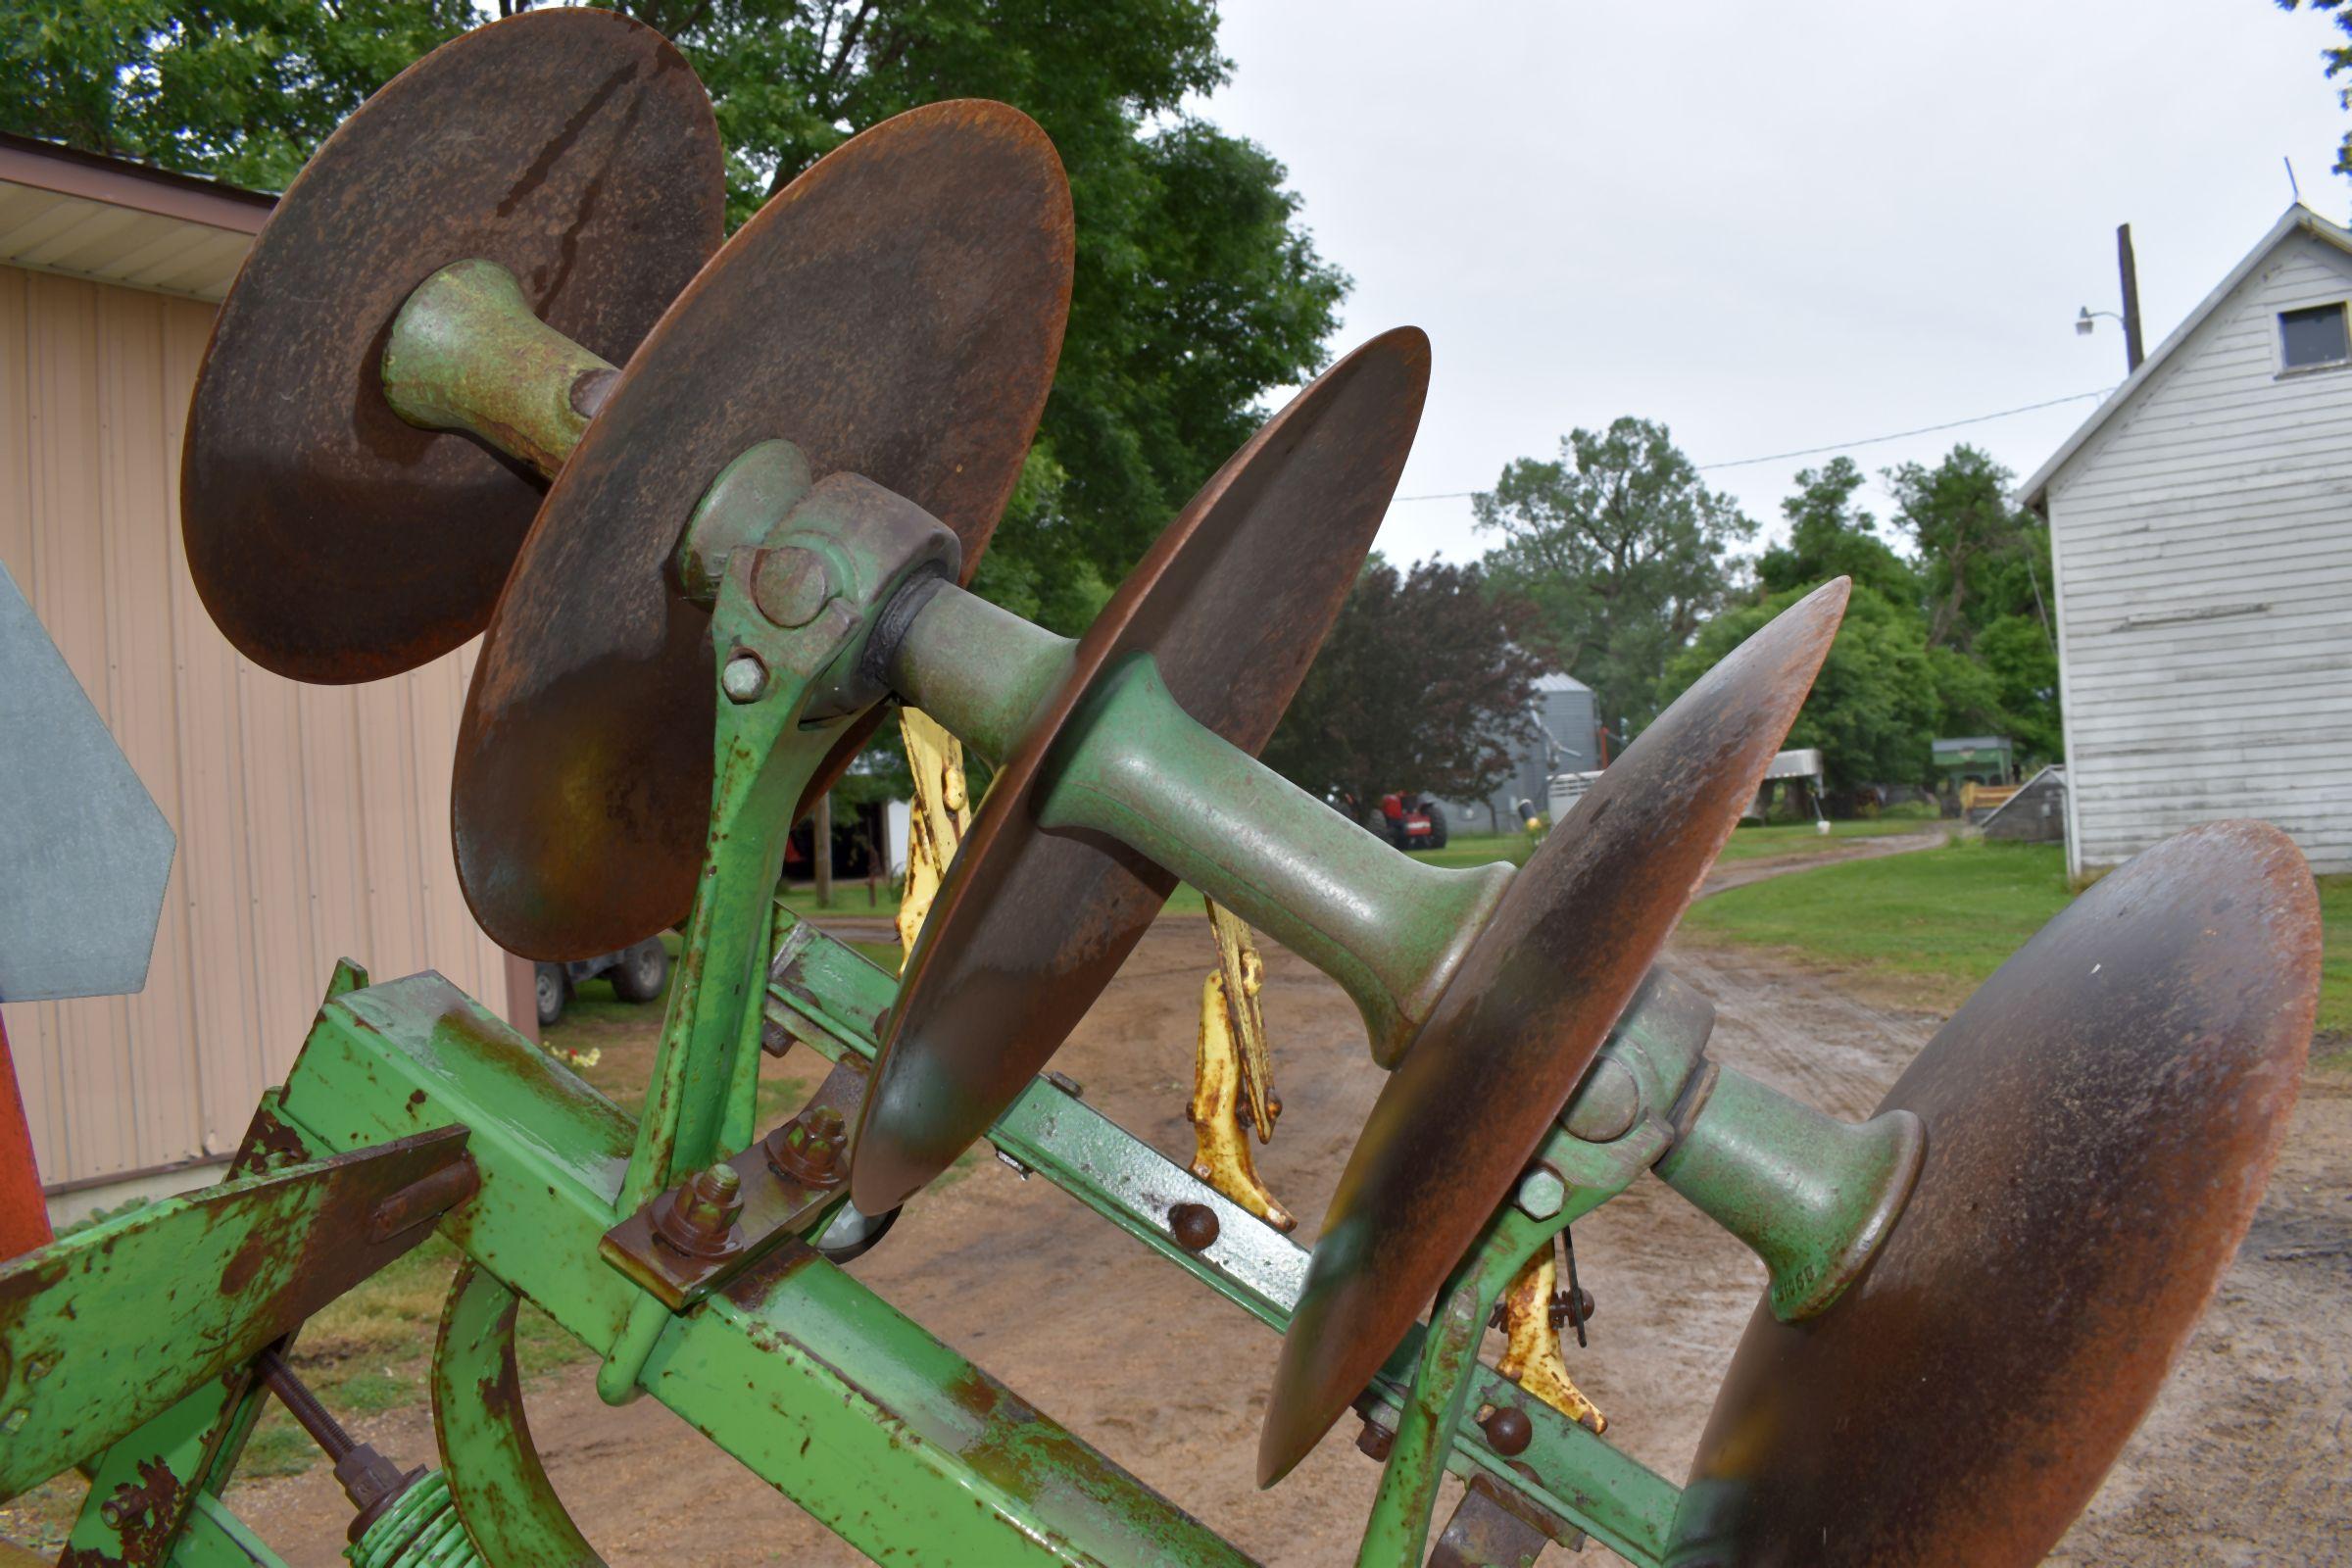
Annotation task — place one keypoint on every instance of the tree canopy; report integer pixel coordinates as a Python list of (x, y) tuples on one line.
[(1417, 688), (1873, 709), (1197, 290), (2339, 63), (1611, 557), (1829, 536), (1950, 641)]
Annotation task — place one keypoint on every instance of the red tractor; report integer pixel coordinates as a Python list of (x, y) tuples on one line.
[(1413, 821)]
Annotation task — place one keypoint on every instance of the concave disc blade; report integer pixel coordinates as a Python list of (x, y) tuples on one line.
[(1232, 600), (2101, 1118), (895, 311), (1526, 1013), (330, 540)]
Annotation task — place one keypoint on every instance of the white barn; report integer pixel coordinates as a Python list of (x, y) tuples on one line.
[(2201, 525)]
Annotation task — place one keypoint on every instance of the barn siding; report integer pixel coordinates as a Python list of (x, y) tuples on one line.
[(312, 821), (2203, 543)]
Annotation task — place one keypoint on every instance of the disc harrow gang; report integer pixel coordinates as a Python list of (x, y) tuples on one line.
[(773, 464)]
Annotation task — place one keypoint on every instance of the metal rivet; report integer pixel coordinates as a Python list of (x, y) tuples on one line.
[(745, 678), (1508, 1431), (1541, 1192), (1194, 1225)]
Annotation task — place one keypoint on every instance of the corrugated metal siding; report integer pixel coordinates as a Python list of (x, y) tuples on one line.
[(2204, 556), (312, 821)]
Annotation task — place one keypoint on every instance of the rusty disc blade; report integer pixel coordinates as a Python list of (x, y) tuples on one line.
[(2101, 1118), (1529, 1007), (1232, 600), (895, 311), (331, 540)]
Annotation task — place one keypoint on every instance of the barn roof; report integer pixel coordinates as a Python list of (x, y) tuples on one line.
[(112, 220), (2296, 219)]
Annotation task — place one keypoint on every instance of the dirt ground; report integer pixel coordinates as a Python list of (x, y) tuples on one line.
[(2244, 1460)]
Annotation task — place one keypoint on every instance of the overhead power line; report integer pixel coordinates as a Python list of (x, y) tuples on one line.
[(1840, 446)]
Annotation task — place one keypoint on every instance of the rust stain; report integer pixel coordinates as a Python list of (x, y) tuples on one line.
[(562, 142)]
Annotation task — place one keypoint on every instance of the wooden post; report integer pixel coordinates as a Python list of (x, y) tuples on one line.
[(821, 850), (2132, 352)]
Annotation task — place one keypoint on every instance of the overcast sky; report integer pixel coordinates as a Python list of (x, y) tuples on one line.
[(1771, 226)]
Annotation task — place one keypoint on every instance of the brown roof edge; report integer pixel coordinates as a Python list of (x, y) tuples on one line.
[(119, 183)]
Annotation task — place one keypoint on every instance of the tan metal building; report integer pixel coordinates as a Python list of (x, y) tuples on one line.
[(312, 821)]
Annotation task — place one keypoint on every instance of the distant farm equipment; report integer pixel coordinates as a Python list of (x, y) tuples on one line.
[(1413, 821), (639, 974)]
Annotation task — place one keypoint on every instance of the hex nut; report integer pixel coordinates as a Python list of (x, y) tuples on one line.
[(1541, 1192), (745, 678)]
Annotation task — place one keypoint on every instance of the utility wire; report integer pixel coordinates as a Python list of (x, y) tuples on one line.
[(1925, 429), (1841, 446)]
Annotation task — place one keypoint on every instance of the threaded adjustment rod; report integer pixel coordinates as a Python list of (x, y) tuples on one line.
[(371, 1481)]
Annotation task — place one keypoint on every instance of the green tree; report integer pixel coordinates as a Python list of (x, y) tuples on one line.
[(1612, 556), (2017, 654), (1982, 565), (1417, 688), (241, 91), (1197, 290), (2339, 63), (1876, 705), (1829, 536), (1981, 558)]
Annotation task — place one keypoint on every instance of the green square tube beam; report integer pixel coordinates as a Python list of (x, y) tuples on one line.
[(897, 1443)]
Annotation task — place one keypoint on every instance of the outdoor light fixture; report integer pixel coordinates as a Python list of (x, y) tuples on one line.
[(2084, 320)]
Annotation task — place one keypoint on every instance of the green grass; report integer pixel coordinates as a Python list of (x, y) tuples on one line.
[(849, 899), (2335, 968), (1754, 841), (1937, 922)]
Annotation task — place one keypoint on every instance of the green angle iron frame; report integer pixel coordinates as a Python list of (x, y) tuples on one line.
[(490, 371)]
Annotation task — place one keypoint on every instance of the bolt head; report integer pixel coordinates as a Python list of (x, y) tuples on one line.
[(1541, 1192), (745, 678), (1607, 1106), (790, 585)]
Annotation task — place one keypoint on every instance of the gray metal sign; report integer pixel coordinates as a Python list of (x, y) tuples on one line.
[(83, 850)]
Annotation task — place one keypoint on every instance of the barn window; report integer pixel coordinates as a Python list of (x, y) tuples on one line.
[(2312, 337)]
